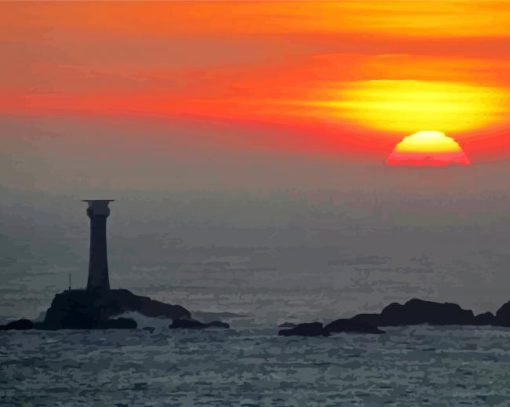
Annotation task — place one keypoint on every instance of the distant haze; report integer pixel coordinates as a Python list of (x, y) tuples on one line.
[(277, 236)]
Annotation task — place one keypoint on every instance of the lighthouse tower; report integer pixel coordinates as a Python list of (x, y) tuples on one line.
[(98, 211)]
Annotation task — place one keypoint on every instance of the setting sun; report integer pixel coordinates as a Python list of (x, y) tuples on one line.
[(428, 148)]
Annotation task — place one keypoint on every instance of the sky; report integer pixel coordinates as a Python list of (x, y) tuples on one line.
[(339, 77), (257, 133)]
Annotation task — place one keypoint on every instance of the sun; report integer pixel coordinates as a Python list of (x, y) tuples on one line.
[(427, 148)]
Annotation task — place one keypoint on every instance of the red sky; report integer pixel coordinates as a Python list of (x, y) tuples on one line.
[(296, 71)]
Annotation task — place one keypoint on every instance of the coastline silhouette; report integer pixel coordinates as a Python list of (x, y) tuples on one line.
[(100, 307), (413, 312)]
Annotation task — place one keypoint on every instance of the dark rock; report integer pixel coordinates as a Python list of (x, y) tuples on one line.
[(149, 329), (118, 323), (306, 329), (367, 319), (350, 326), (287, 325), (217, 324), (503, 315), (413, 312), (187, 324), (416, 311), (19, 325), (85, 309), (487, 318)]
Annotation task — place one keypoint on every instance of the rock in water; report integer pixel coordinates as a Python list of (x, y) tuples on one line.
[(118, 323), (503, 315), (306, 329), (350, 326), (487, 318), (368, 319), (19, 325), (85, 309), (416, 311)]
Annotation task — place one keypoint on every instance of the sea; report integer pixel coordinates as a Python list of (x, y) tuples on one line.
[(256, 262), (252, 366)]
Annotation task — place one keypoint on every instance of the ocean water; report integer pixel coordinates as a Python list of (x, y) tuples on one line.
[(412, 366), (269, 259)]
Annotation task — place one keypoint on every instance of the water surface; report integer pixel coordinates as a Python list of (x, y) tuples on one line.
[(414, 366)]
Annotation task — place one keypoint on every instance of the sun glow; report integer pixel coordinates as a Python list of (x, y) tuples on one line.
[(408, 105), (428, 148)]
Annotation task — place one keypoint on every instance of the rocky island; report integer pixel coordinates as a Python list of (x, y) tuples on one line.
[(413, 312), (83, 309), (98, 306)]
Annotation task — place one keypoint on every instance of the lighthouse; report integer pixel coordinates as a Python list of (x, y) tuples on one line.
[(98, 211)]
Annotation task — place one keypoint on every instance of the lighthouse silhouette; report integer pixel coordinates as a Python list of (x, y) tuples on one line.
[(98, 211)]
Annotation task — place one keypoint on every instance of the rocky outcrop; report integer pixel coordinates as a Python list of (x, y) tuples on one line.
[(19, 325), (413, 312), (503, 315), (487, 318), (305, 329), (117, 323), (84, 309), (194, 324), (351, 326), (367, 319), (416, 311)]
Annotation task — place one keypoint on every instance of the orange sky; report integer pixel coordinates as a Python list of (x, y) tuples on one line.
[(299, 65)]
